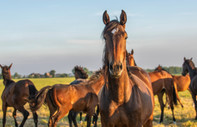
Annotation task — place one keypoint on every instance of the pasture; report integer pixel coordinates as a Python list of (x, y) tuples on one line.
[(184, 116)]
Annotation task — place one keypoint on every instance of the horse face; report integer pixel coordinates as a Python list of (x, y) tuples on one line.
[(6, 69), (184, 67), (130, 59), (115, 39)]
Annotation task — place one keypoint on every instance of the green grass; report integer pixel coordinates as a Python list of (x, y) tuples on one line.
[(184, 116)]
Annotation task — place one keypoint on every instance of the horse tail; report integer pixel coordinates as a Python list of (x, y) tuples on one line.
[(32, 90), (174, 92), (39, 99)]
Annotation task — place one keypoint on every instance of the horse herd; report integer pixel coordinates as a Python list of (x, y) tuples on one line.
[(122, 92)]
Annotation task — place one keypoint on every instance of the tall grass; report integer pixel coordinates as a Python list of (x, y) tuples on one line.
[(184, 116)]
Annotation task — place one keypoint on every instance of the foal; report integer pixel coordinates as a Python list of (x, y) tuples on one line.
[(16, 95), (189, 67), (63, 98)]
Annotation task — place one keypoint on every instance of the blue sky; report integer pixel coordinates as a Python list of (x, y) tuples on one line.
[(40, 35)]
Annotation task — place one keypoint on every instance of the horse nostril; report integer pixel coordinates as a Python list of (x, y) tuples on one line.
[(121, 66), (110, 67)]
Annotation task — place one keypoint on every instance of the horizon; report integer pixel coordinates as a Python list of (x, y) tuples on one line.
[(39, 36)]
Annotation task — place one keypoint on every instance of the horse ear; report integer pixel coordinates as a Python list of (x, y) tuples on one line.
[(184, 59), (10, 66), (132, 51), (191, 58), (106, 18), (123, 18)]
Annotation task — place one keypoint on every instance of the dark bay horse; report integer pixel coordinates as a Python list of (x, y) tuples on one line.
[(63, 98), (189, 67), (125, 99), (16, 95), (162, 82)]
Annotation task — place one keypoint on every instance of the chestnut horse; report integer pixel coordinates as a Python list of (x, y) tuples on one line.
[(162, 82), (125, 99), (63, 98), (130, 59), (189, 67), (182, 83), (16, 95), (80, 76)]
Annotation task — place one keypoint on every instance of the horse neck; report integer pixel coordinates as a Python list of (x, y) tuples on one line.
[(98, 84), (7, 79), (192, 71), (118, 87)]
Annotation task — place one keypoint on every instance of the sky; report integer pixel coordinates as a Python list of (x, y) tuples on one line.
[(41, 35)]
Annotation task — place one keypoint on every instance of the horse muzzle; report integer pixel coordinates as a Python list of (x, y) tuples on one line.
[(115, 69)]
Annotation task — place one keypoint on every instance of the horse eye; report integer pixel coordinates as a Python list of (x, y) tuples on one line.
[(126, 37), (105, 38)]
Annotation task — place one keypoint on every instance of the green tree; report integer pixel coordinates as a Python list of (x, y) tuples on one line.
[(52, 72)]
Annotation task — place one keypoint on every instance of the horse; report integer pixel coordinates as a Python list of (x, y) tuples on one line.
[(182, 83), (159, 87), (189, 67), (125, 99), (80, 76), (16, 95), (162, 82), (62, 98), (130, 58)]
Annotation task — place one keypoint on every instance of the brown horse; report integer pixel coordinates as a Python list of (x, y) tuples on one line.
[(130, 59), (189, 67), (80, 76), (162, 82), (126, 100), (182, 83), (63, 98), (16, 95)]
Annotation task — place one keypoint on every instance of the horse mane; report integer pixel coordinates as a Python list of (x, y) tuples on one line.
[(160, 68), (96, 76), (80, 73), (110, 26)]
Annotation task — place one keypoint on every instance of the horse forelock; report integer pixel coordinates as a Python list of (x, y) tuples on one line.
[(79, 72)]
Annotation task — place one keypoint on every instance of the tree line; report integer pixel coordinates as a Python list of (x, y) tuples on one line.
[(51, 74)]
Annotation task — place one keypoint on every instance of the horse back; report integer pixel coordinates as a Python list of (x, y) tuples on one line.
[(73, 95)]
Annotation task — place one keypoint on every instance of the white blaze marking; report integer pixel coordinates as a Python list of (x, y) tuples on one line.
[(114, 30)]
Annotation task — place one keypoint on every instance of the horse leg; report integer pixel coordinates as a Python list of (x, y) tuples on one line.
[(95, 117), (14, 116), (70, 118), (35, 116), (80, 117), (195, 103), (171, 106), (74, 118), (4, 113), (25, 115), (160, 98), (88, 118), (60, 114)]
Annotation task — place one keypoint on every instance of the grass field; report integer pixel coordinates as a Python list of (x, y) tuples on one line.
[(184, 116)]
